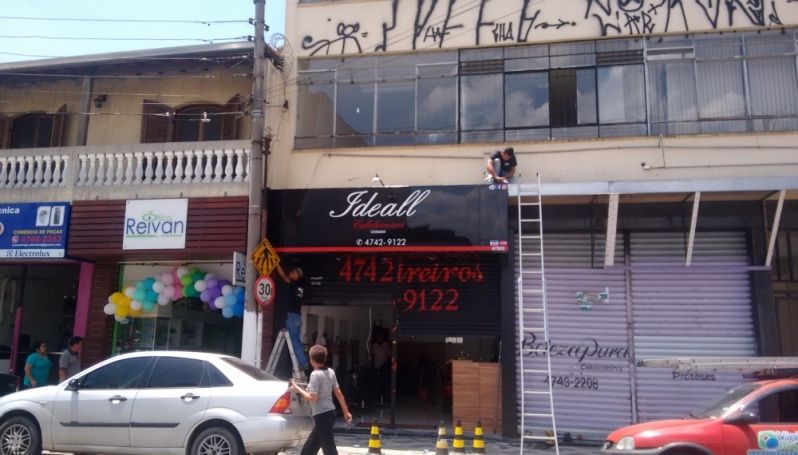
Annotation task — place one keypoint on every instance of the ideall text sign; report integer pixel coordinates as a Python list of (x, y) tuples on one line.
[(33, 230)]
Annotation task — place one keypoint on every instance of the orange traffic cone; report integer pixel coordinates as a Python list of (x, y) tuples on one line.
[(442, 445), (479, 439)]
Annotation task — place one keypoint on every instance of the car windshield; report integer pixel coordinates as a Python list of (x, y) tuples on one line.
[(722, 404), (250, 370)]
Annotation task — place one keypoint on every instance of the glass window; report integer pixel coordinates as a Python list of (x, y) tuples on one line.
[(621, 93), (774, 86), (176, 372), (436, 107), (780, 407), (316, 105), (122, 374), (214, 378), (526, 100), (673, 91), (355, 109), (194, 124), (250, 370), (720, 89), (572, 97), (31, 130), (396, 106), (482, 106)]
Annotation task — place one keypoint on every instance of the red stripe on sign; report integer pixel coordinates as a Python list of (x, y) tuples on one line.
[(391, 249)]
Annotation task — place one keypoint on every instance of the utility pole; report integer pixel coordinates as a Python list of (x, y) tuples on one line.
[(253, 319)]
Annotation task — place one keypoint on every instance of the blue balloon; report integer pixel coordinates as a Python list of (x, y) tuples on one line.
[(238, 311), (240, 298), (148, 306), (140, 295), (152, 296), (148, 282), (227, 312), (238, 290), (230, 300), (140, 285)]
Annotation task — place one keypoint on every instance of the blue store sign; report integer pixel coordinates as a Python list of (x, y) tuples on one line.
[(36, 230)]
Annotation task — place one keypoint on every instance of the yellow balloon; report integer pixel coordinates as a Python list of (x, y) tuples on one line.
[(122, 312), (134, 313), (124, 301)]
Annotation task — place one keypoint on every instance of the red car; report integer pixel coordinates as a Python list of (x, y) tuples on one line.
[(751, 419)]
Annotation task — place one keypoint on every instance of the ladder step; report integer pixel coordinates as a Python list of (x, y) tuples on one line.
[(536, 372), (530, 220), (537, 272), (529, 203), (531, 254), (533, 291), (535, 329), (532, 414), (537, 351), (535, 392), (540, 438), (533, 310)]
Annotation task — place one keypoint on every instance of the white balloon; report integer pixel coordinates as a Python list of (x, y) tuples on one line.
[(109, 309), (220, 303), (158, 287), (182, 271), (163, 300), (120, 319), (110, 299), (135, 305), (167, 279), (201, 285), (227, 289), (130, 291)]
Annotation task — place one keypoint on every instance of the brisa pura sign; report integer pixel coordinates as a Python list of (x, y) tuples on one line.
[(418, 219), (155, 224)]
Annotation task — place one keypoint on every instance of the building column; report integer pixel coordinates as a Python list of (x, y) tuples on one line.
[(84, 298)]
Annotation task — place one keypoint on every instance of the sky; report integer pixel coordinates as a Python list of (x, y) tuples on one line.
[(23, 39)]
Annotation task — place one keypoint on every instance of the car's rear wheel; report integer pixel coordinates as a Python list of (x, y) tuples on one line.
[(216, 441), (20, 436)]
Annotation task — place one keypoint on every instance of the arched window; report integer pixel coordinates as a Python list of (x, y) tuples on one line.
[(36, 130), (195, 122)]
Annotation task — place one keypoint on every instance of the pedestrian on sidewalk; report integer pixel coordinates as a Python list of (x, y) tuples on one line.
[(37, 367), (321, 388), (69, 364)]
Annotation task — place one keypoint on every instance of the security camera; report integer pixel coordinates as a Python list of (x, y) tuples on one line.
[(645, 166)]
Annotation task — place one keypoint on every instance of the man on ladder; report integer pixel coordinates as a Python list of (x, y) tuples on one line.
[(291, 336)]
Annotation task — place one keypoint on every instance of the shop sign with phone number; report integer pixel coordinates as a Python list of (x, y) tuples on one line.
[(34, 230)]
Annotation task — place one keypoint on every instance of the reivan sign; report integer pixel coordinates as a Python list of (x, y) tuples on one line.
[(34, 230), (155, 224)]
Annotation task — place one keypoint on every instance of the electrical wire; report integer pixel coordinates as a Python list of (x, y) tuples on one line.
[(134, 21), (219, 59), (115, 38)]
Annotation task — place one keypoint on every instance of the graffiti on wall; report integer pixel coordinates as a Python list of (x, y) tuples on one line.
[(424, 24)]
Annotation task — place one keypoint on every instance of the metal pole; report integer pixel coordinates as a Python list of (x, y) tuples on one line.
[(253, 327)]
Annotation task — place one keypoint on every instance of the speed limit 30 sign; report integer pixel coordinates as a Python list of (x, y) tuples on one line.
[(264, 290)]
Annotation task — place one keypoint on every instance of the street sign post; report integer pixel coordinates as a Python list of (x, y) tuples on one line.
[(264, 290)]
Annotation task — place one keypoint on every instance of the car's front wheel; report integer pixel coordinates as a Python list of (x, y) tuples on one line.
[(20, 436), (216, 441)]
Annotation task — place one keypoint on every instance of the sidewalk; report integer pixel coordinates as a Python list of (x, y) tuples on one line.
[(417, 444)]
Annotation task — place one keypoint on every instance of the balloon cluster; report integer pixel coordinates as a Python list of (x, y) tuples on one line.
[(147, 294)]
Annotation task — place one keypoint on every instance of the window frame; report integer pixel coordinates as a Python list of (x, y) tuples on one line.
[(37, 117), (160, 359), (143, 377)]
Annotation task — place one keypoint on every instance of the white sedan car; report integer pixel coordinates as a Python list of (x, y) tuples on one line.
[(157, 403)]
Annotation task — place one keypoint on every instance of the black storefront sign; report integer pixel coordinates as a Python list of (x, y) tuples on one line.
[(393, 219)]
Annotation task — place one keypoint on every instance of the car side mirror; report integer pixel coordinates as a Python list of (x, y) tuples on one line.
[(73, 385), (741, 418)]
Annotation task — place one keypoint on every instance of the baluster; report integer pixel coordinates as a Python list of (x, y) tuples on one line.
[(100, 169), (37, 171), (169, 171), (248, 154), (3, 171), (29, 171), (129, 172), (82, 170), (12, 171), (181, 166), (137, 178), (197, 165), (92, 177), (119, 176), (47, 178), (57, 171), (148, 167), (239, 168), (218, 169), (228, 166), (208, 166), (158, 171), (108, 178)]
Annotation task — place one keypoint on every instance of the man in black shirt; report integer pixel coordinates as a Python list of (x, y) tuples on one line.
[(501, 166), (294, 318)]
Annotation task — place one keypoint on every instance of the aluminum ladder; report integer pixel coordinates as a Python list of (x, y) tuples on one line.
[(283, 341), (532, 271)]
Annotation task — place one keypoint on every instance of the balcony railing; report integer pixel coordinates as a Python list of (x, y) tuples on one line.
[(179, 169)]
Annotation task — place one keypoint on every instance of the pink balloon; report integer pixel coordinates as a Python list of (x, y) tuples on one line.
[(178, 293)]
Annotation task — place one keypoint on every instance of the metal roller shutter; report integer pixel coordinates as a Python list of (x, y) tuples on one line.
[(590, 356), (703, 310)]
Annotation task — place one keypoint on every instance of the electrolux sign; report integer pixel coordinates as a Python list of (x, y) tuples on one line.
[(419, 219), (155, 224), (34, 230)]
